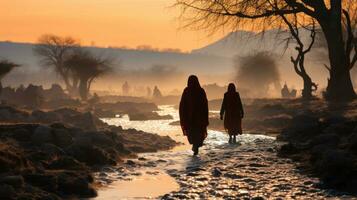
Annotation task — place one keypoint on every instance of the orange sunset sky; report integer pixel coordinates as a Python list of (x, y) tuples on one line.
[(104, 23)]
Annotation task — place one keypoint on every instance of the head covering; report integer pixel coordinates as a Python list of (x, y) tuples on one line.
[(231, 88), (193, 82)]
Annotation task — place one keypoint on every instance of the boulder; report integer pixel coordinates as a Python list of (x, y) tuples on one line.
[(352, 142), (102, 139), (52, 150), (91, 155), (288, 149), (68, 163), (7, 192), (62, 137), (42, 134), (15, 181), (47, 182), (335, 167), (21, 134), (339, 129), (302, 127), (70, 183), (330, 139), (44, 117)]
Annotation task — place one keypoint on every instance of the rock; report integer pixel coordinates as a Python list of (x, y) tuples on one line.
[(257, 198), (44, 117), (66, 162), (216, 172), (130, 162), (72, 184), (339, 129), (85, 121), (51, 149), (91, 155), (288, 149), (21, 134), (301, 127), (15, 181), (42, 134), (101, 139), (62, 137), (233, 175), (352, 142), (7, 192), (327, 139), (12, 158), (335, 167), (44, 181), (83, 139)]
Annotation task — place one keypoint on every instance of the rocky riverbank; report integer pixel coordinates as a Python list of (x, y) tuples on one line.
[(54, 161), (325, 146)]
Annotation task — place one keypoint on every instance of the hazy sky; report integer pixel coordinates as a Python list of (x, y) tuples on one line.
[(105, 22)]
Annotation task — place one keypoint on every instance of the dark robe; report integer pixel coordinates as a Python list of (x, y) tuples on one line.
[(194, 115), (232, 109)]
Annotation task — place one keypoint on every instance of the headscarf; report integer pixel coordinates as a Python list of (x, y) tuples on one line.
[(231, 88), (193, 83)]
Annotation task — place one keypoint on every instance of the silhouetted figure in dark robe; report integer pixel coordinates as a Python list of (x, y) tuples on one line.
[(232, 112), (194, 113), (156, 92)]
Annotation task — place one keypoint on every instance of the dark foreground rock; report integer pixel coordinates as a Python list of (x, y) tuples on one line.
[(55, 161), (325, 146)]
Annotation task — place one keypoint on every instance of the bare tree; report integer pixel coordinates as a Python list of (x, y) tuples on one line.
[(53, 51), (5, 68), (86, 68), (263, 14), (299, 60)]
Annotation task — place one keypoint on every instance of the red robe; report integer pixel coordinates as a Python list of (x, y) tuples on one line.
[(232, 109), (194, 115)]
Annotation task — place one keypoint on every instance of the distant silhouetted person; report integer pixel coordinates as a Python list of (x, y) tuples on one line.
[(232, 112), (194, 113), (286, 93), (148, 92), (126, 88), (156, 92)]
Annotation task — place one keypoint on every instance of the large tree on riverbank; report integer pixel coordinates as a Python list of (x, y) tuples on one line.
[(53, 51), (86, 67), (331, 15)]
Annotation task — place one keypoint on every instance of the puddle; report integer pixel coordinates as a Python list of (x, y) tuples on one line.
[(146, 186)]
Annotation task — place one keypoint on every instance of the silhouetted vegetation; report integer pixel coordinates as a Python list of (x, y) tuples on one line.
[(258, 72), (332, 16), (86, 67), (53, 51), (5, 68)]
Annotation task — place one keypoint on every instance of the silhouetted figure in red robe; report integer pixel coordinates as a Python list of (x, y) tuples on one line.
[(232, 111), (194, 113)]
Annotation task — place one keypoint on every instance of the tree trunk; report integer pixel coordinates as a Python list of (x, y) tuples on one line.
[(339, 86), (308, 85), (83, 91)]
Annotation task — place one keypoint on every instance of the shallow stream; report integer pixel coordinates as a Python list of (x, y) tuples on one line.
[(247, 169)]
